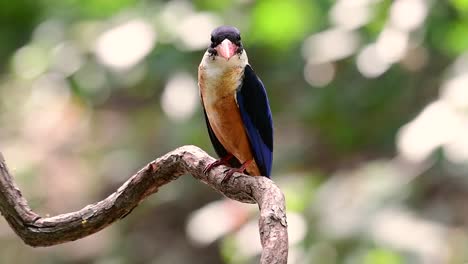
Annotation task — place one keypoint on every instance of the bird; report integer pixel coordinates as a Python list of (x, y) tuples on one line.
[(236, 107)]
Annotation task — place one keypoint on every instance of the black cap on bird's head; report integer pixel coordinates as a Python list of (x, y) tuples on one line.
[(225, 41)]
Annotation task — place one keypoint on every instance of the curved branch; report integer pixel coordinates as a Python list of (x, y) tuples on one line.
[(37, 231)]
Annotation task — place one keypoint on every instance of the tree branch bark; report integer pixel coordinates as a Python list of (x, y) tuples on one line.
[(38, 231)]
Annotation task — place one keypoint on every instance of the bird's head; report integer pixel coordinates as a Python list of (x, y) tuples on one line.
[(225, 43)]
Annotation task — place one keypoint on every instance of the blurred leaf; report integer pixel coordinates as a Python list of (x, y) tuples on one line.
[(228, 251), (105, 7), (445, 30), (461, 5), (16, 23), (300, 191), (456, 40), (93, 8), (382, 256), (280, 23), (214, 5), (380, 17)]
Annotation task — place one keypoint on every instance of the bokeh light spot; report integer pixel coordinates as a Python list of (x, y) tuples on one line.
[(194, 31), (408, 14), (349, 15), (125, 45), (30, 61), (66, 58), (455, 91), (392, 44), (180, 97), (436, 125), (369, 63), (319, 75), (330, 45)]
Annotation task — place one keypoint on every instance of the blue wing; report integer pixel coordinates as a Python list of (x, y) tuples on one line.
[(256, 115)]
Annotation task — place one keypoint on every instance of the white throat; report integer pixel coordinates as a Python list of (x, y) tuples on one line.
[(216, 65), (220, 76)]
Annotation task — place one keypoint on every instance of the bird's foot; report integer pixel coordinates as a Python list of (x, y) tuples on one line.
[(231, 171), (221, 161)]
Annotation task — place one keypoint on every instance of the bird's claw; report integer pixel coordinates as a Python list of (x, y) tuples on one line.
[(216, 163), (227, 177), (229, 173), (210, 166)]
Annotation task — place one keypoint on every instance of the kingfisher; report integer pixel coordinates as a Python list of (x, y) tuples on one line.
[(236, 107)]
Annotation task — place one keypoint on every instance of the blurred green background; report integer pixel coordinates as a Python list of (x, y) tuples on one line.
[(369, 98)]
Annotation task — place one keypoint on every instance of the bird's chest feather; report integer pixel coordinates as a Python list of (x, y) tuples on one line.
[(217, 84), (218, 91)]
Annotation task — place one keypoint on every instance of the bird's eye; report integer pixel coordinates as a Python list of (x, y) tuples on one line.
[(212, 39), (212, 51), (238, 37)]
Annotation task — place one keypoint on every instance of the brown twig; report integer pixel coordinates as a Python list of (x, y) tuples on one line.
[(37, 231)]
